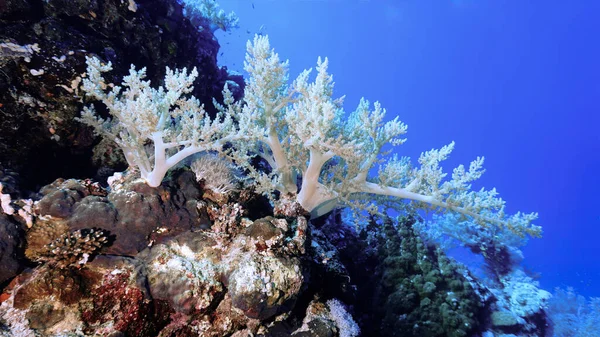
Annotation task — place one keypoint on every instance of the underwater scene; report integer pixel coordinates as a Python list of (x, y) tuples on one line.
[(307, 168)]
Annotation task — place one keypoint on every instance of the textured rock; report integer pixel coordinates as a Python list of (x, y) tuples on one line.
[(107, 296), (133, 215), (193, 270), (185, 273), (120, 304), (60, 197), (520, 297), (261, 286), (316, 323), (189, 279), (319, 321)]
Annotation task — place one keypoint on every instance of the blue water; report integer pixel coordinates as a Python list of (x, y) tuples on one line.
[(515, 81)]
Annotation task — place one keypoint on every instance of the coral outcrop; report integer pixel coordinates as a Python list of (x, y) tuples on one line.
[(189, 281)]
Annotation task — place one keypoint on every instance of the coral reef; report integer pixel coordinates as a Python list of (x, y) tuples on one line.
[(203, 282), (194, 267), (420, 291), (207, 15), (572, 315), (520, 306), (70, 249), (166, 250)]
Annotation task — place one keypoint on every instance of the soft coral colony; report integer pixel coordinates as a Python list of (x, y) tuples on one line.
[(317, 156)]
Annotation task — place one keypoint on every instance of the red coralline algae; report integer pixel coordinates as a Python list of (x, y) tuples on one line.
[(120, 302)]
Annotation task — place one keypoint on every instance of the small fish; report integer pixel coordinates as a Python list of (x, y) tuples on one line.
[(260, 33), (253, 5)]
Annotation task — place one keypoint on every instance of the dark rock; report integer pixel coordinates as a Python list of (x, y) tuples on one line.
[(38, 89), (12, 238), (60, 197)]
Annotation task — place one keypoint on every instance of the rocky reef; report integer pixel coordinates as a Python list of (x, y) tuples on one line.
[(138, 261), (85, 251), (129, 260)]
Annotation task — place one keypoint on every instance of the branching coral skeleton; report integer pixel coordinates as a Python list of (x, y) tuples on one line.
[(300, 130), (174, 126)]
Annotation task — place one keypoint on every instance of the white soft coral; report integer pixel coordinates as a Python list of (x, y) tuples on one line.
[(300, 130), (155, 128)]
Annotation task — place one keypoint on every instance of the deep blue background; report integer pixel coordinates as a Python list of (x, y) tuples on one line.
[(515, 81)]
